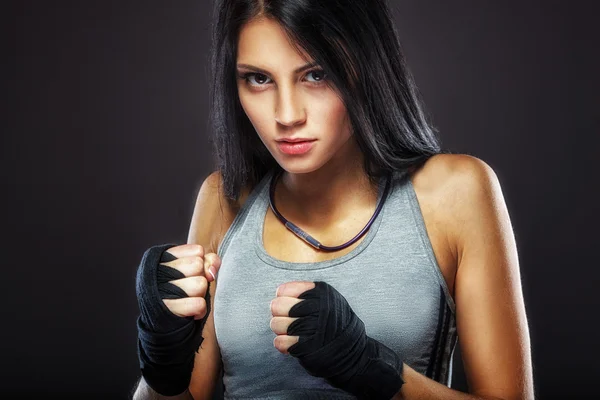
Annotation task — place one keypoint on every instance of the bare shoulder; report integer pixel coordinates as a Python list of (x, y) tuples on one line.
[(213, 213), (455, 191), (455, 183), (447, 171)]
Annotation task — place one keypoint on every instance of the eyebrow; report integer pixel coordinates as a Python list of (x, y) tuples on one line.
[(263, 71)]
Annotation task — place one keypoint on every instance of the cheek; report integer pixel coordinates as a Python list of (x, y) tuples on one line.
[(331, 118), (255, 111)]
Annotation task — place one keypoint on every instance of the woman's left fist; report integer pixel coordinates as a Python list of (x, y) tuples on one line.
[(332, 342), (286, 297)]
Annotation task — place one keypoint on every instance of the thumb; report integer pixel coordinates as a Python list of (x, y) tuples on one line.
[(212, 264)]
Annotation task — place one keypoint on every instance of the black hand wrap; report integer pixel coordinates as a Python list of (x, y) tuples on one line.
[(333, 345), (166, 342)]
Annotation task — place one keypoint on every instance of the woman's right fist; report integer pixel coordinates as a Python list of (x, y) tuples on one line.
[(172, 291), (198, 269)]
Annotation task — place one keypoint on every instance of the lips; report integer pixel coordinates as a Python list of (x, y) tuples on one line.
[(297, 147), (296, 140)]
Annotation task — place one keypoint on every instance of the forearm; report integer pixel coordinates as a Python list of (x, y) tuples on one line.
[(145, 392), (419, 387)]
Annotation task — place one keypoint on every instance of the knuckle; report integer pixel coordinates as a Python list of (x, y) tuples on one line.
[(202, 280), (279, 344), (195, 247), (200, 285), (214, 259), (192, 250), (200, 307), (172, 306), (195, 265), (197, 260), (189, 304), (208, 260)]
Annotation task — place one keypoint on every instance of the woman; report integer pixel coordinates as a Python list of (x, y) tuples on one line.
[(354, 252)]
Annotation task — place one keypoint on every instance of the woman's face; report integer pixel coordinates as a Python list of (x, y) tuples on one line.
[(284, 102)]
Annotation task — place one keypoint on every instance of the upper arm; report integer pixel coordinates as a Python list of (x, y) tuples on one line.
[(491, 319), (211, 218)]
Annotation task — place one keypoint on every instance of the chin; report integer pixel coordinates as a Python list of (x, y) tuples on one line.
[(297, 167), (291, 170)]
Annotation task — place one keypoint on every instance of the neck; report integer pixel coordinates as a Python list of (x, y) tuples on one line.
[(335, 191)]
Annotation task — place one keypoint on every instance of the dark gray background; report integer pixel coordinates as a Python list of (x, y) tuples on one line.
[(105, 143)]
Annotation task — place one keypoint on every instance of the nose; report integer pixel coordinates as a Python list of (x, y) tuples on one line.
[(290, 111)]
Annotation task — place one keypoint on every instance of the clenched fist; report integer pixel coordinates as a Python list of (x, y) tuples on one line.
[(172, 290), (196, 269), (315, 324)]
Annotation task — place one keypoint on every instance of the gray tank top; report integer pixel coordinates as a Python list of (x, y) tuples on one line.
[(391, 280)]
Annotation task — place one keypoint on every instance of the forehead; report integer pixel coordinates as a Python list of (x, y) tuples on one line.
[(263, 41)]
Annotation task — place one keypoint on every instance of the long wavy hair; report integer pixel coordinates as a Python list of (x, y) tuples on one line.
[(357, 45)]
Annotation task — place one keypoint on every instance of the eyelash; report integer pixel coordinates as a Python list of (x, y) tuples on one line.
[(246, 76)]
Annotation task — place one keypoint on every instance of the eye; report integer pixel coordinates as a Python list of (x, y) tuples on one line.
[(259, 81), (318, 74), (255, 78)]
